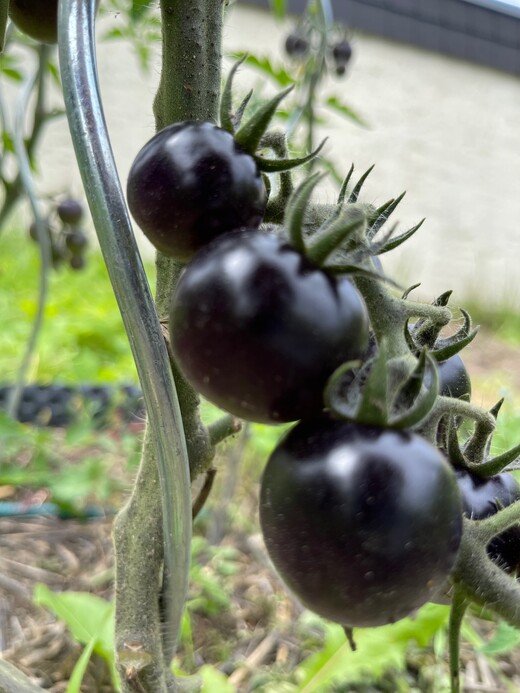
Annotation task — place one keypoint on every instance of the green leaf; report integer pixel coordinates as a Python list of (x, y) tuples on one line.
[(85, 615), (378, 650), (215, 681), (505, 640), (277, 74), (279, 8), (339, 107), (74, 685), (139, 9)]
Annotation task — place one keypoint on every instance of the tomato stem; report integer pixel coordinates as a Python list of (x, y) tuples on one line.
[(458, 609)]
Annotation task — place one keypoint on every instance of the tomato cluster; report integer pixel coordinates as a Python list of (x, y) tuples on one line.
[(363, 520)]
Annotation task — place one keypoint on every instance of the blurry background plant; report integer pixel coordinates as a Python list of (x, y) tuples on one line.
[(317, 48)]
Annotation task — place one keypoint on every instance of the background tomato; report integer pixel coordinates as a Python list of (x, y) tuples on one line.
[(257, 329), (362, 523), (454, 380), (482, 498), (36, 18), (191, 183)]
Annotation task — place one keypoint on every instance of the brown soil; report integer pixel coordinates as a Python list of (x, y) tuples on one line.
[(257, 630)]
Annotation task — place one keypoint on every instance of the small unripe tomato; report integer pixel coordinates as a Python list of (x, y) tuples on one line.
[(70, 211)]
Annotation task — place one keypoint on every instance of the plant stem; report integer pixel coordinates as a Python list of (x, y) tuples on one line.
[(458, 609), (15, 187), (26, 183)]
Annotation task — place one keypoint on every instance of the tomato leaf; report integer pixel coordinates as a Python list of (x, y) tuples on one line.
[(378, 649), (505, 640), (88, 618)]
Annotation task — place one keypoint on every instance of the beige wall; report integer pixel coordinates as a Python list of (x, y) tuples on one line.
[(444, 130)]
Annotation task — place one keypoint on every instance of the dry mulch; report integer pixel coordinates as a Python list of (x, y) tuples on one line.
[(258, 628)]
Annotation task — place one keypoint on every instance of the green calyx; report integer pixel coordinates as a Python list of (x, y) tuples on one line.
[(474, 452), (252, 134), (425, 332), (377, 395)]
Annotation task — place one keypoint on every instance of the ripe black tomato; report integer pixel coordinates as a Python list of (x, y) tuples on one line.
[(36, 18), (484, 497), (189, 184), (362, 523), (454, 380), (257, 329)]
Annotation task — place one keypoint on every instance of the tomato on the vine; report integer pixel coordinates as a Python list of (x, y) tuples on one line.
[(189, 184), (258, 330), (362, 523), (454, 380), (36, 18), (483, 497)]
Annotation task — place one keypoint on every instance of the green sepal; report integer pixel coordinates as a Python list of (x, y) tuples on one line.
[(408, 337), (426, 332), (373, 405), (398, 240), (424, 403), (334, 401), (452, 348), (409, 290), (449, 346), (250, 134), (455, 454), (279, 165), (344, 186), (296, 208), (236, 119), (351, 220), (475, 447), (354, 269), (226, 100), (357, 188), (384, 215), (498, 464), (411, 388), (495, 409), (267, 184)]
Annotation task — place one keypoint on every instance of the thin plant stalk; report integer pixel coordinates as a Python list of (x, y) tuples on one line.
[(43, 242)]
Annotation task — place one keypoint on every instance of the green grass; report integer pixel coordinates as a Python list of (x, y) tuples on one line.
[(82, 340)]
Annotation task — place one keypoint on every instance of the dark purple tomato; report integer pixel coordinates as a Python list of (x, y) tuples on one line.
[(484, 497), (191, 183), (454, 379), (362, 523), (36, 18), (296, 45), (257, 329), (70, 211)]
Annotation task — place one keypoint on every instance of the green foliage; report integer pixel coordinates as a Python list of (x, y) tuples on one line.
[(77, 473), (505, 640), (279, 8), (90, 619), (82, 339), (214, 681), (378, 650)]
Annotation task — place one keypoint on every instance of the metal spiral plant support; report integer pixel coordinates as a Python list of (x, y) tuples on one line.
[(111, 219)]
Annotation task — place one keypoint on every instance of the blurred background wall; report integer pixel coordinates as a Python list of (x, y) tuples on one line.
[(442, 128)]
